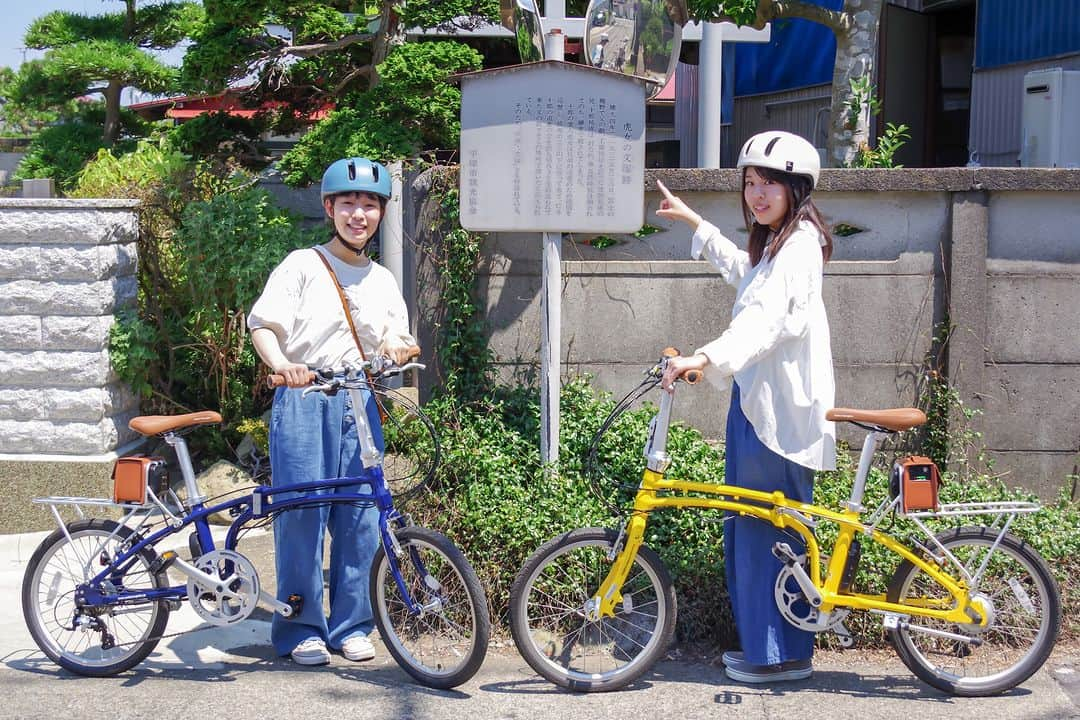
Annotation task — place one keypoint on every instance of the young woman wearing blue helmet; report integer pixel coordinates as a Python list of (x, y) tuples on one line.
[(297, 322)]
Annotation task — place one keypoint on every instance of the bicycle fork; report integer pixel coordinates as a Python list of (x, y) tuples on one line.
[(608, 595)]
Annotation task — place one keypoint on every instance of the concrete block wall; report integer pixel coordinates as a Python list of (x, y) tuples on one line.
[(66, 268), (992, 251)]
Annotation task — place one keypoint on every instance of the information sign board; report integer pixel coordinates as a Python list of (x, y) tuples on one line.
[(552, 147)]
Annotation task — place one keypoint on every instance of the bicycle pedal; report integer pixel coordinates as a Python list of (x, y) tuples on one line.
[(164, 561), (296, 604), (783, 552)]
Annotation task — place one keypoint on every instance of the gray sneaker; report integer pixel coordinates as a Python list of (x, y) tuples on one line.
[(741, 671), (733, 657), (310, 652)]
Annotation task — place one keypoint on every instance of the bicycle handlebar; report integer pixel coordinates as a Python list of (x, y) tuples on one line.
[(379, 366), (690, 377)]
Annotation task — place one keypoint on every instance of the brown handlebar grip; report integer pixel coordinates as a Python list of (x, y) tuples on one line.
[(273, 381), (691, 377), (670, 352)]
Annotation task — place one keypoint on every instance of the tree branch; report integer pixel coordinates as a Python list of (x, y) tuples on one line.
[(305, 51), (836, 20), (365, 71)]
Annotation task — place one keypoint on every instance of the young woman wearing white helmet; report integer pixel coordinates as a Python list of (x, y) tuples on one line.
[(297, 322), (776, 356)]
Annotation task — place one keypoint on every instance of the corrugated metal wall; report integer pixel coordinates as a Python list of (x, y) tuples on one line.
[(804, 111), (1009, 31), (686, 97), (996, 102)]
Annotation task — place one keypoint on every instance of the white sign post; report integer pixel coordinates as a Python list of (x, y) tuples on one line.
[(552, 147)]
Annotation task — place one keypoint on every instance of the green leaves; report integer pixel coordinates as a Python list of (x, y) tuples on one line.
[(411, 110), (863, 98), (740, 12), (100, 61)]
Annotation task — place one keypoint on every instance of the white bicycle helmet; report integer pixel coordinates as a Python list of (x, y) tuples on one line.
[(784, 151)]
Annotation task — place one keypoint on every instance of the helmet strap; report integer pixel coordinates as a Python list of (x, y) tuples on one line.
[(349, 246)]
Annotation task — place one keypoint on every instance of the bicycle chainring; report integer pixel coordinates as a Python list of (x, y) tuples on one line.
[(794, 607), (230, 592)]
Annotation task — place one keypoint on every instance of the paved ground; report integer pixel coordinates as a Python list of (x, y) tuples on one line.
[(214, 672)]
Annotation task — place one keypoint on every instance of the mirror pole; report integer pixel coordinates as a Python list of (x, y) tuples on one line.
[(555, 45), (710, 81), (551, 314)]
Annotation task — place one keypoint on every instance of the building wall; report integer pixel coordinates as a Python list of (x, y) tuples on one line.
[(996, 105), (982, 247)]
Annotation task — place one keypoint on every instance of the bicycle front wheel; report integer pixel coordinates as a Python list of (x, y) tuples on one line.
[(1026, 615), (552, 631), (444, 643), (101, 640)]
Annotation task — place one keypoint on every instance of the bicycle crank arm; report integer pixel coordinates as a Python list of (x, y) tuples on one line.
[(893, 622), (283, 609), (783, 552)]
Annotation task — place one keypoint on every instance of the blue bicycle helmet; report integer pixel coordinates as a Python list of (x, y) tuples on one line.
[(356, 174)]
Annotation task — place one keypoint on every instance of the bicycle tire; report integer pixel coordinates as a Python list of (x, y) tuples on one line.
[(444, 645), (1027, 618), (58, 566), (547, 618)]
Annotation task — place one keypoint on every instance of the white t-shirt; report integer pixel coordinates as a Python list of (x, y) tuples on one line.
[(301, 305), (777, 346)]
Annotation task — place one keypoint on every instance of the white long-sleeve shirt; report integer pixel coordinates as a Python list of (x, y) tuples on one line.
[(301, 305), (777, 346)]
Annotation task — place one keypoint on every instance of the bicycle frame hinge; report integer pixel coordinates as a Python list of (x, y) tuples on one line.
[(659, 462)]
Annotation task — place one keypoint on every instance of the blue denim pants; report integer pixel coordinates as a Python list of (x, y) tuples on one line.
[(751, 569), (314, 438)]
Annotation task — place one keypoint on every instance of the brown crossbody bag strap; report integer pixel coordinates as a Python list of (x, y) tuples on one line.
[(344, 302), (348, 318)]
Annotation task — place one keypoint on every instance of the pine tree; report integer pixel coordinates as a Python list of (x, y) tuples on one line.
[(102, 55)]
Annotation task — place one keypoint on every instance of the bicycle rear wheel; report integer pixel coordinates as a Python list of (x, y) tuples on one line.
[(95, 641), (548, 618), (1024, 623), (444, 644)]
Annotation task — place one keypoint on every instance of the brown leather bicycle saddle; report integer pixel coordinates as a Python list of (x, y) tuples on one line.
[(892, 419), (158, 424)]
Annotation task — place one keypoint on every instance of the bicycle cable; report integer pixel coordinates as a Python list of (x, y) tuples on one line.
[(591, 465)]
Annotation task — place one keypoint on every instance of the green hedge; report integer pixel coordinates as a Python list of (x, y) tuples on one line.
[(494, 498)]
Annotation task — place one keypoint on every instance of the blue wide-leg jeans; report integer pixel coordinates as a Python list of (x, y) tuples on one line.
[(314, 438), (751, 568)]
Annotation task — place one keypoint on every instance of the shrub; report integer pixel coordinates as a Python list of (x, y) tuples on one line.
[(60, 151), (222, 137), (190, 333), (495, 499)]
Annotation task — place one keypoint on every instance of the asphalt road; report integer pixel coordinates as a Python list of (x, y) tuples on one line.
[(207, 672)]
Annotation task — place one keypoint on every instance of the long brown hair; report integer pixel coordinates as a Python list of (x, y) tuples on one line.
[(763, 242)]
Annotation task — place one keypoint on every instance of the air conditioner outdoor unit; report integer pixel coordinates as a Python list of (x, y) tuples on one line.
[(1050, 124)]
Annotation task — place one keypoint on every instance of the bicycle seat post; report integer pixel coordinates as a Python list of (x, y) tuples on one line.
[(369, 451), (183, 457), (865, 459)]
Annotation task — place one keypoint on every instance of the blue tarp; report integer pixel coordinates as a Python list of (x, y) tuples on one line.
[(800, 53)]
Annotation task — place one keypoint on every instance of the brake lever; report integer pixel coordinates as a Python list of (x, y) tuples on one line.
[(392, 372), (329, 388)]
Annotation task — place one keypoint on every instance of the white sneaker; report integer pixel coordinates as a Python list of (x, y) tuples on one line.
[(310, 652), (357, 648)]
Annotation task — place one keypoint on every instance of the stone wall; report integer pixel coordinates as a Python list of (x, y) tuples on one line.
[(66, 267)]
